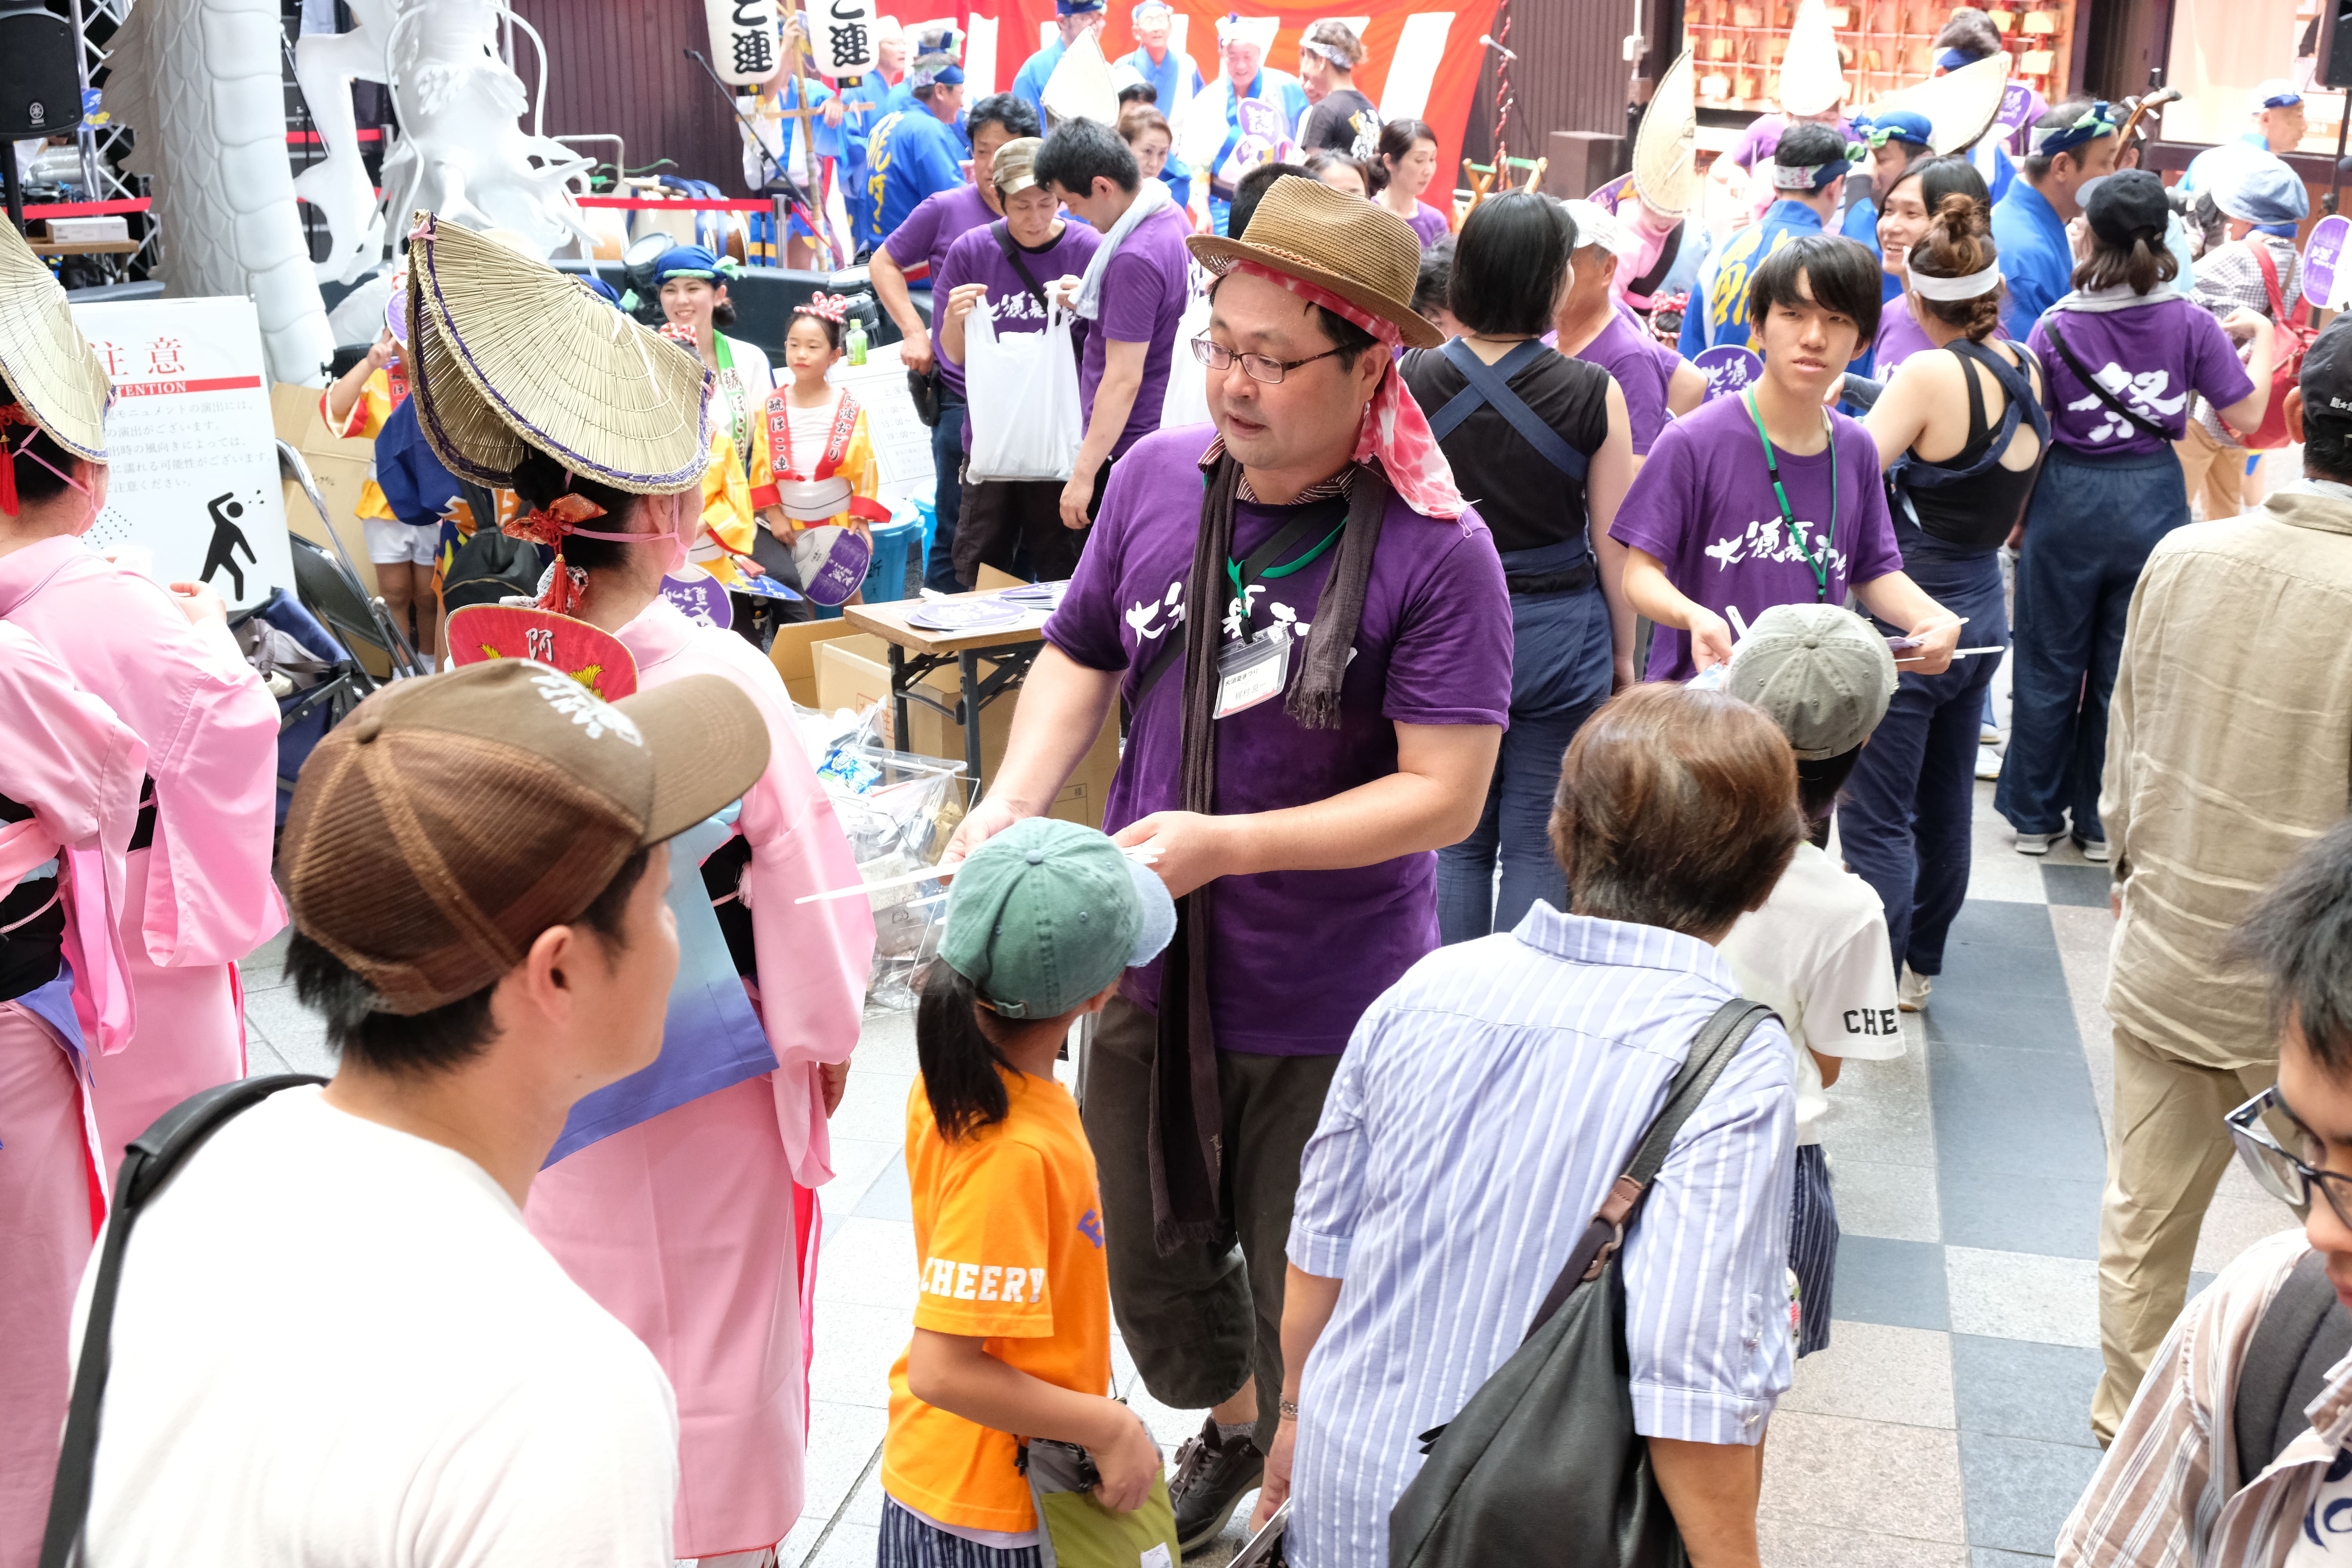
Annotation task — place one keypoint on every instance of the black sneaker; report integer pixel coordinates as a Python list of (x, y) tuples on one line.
[(1214, 1473)]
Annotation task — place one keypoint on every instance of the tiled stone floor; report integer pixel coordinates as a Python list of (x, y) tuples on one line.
[(1946, 1427)]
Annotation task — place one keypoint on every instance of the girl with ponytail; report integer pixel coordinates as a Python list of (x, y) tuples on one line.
[(2123, 355), (1962, 432)]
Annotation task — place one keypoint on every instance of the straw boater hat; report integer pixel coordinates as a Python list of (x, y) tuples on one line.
[(1960, 104), (1354, 248), (1812, 75), (511, 355), (1665, 167), (48, 367)]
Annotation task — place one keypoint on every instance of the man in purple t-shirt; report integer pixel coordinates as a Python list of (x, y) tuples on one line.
[(1134, 293), (915, 249), (1771, 498), (1364, 673)]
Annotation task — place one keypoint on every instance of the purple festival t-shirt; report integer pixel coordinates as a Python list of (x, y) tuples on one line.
[(1763, 138), (2152, 354), (1294, 956), (1899, 337), (1145, 288), (1703, 505), (1429, 222), (922, 242), (976, 258), (1630, 357)]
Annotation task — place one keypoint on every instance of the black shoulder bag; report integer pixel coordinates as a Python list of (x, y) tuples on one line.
[(2304, 1331), (2123, 410), (1003, 231), (154, 1155), (1542, 1466)]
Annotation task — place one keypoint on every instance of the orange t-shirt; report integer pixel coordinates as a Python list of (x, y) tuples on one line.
[(1008, 1238)]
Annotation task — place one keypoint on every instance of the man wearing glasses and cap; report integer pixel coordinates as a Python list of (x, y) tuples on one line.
[(2236, 1450), (2068, 148), (1311, 633)]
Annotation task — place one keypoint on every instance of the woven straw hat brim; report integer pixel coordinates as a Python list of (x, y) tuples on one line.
[(1812, 76), (1305, 229), (1960, 105), (511, 354), (1664, 164), (48, 365)]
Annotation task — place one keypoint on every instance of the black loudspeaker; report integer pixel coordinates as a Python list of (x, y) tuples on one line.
[(41, 89), (2336, 68)]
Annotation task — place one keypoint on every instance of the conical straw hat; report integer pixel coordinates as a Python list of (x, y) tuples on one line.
[(1812, 76), (1081, 87), (1663, 166), (48, 366), (511, 354), (1961, 104)]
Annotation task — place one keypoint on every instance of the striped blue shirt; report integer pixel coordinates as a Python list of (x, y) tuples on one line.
[(1484, 1106)]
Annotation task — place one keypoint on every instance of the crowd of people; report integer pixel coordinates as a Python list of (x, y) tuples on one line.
[(1504, 699)]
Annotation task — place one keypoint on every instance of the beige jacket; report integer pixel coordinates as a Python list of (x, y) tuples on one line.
[(2229, 748)]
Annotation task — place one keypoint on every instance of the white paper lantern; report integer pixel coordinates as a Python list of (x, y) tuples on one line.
[(841, 34), (744, 42)]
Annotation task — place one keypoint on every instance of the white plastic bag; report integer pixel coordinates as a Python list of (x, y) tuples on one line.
[(1021, 393), (1186, 400)]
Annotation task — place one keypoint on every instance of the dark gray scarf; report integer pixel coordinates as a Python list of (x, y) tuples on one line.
[(1187, 1111)]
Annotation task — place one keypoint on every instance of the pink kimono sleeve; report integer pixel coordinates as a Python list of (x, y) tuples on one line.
[(210, 898), (814, 959)]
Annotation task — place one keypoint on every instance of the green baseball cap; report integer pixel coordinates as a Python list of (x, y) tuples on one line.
[(1046, 913)]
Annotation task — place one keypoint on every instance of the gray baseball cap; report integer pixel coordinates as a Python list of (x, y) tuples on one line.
[(1823, 674)]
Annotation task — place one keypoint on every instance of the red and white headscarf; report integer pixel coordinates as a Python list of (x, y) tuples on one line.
[(1395, 432)]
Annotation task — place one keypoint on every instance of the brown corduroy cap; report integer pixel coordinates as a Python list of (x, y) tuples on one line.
[(1357, 249), (438, 831)]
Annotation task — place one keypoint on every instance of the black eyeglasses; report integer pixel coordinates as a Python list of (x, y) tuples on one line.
[(2280, 1173), (1257, 367)]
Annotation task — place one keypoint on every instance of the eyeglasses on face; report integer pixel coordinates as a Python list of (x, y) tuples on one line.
[(2280, 1173), (1257, 367)]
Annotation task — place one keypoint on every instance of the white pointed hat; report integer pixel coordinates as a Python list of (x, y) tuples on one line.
[(1234, 27), (1812, 75), (1081, 87), (1960, 105), (46, 367), (1663, 161)]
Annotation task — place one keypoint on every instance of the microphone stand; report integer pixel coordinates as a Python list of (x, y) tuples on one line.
[(794, 196)]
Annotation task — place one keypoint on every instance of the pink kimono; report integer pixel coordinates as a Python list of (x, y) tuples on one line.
[(78, 769), (697, 1228), (200, 897)]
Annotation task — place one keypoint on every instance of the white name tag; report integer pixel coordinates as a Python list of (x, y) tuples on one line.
[(1251, 672)]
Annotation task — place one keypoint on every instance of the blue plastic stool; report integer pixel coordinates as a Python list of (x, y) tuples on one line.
[(886, 577)]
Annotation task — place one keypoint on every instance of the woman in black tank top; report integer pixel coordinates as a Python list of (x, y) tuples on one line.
[(1955, 491)]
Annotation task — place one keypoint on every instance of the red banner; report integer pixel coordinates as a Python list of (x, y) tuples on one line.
[(1451, 88)]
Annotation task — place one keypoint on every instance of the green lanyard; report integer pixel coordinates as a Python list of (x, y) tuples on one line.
[(1234, 568), (1820, 566)]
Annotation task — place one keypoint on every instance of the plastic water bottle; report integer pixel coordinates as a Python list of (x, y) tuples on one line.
[(856, 341)]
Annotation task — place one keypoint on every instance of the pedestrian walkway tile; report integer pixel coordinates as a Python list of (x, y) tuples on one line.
[(2019, 1295), (1875, 1477), (2020, 1492), (1897, 1283), (2018, 1388), (1995, 1209), (1876, 1372), (2023, 1113), (1891, 1201)]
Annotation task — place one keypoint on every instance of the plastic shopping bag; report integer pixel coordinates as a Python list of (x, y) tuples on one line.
[(1187, 401), (1021, 392)]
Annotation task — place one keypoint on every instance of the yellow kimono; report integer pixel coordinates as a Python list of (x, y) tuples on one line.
[(846, 479), (383, 392), (727, 519)]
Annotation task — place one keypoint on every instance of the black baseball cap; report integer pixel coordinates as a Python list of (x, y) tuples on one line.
[(2125, 206), (2327, 379)]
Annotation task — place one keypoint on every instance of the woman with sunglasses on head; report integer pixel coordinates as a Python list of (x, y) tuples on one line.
[(1546, 445)]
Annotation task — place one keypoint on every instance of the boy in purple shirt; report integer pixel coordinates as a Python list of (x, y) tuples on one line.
[(1771, 498), (1134, 293)]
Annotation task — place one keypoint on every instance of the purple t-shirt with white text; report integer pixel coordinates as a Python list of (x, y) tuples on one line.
[(2153, 353), (1630, 357), (1703, 505), (976, 258), (1295, 957), (1145, 288), (922, 243)]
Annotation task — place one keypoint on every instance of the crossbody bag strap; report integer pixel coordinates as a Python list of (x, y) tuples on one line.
[(1668, 254), (1491, 384), (1003, 233), (2270, 276), (154, 1155), (1711, 1052), (2099, 389)]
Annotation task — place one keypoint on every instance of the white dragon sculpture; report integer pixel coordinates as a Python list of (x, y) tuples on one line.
[(198, 80)]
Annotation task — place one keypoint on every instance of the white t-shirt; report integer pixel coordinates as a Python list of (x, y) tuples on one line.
[(805, 431), (2325, 1539), (336, 1343), (1817, 954)]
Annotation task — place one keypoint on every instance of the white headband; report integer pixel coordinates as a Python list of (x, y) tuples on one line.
[(1801, 176), (1969, 286)]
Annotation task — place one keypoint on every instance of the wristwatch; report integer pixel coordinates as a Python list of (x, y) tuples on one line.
[(1289, 1408)]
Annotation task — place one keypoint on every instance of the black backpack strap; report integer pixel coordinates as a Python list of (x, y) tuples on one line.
[(154, 1155), (1711, 1052), (2304, 1331), (1003, 233), (1647, 283), (2098, 388)]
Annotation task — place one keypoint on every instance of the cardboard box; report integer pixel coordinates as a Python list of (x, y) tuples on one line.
[(853, 670)]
